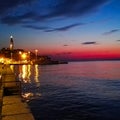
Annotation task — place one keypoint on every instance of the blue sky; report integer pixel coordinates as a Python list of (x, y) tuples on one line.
[(62, 27)]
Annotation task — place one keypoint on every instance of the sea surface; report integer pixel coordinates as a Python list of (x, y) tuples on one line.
[(73, 91)]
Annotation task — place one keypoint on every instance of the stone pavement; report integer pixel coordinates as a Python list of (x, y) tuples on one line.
[(14, 109)]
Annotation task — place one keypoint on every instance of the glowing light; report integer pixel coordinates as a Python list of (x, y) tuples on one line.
[(36, 50), (12, 67), (24, 56), (11, 36), (20, 52), (28, 52), (2, 60)]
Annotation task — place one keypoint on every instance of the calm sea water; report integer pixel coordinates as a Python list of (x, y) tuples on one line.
[(74, 91)]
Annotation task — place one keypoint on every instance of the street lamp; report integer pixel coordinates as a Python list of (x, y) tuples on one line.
[(20, 55), (36, 53), (29, 55), (20, 52)]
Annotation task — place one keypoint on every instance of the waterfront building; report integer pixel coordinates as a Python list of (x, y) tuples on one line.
[(22, 56)]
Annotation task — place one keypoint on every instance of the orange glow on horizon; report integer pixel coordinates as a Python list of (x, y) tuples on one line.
[(83, 52), (100, 54)]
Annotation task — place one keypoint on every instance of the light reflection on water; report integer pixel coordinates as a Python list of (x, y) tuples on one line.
[(36, 78), (77, 91), (29, 77), (25, 72)]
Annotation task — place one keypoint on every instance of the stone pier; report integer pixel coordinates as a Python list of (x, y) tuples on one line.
[(11, 105)]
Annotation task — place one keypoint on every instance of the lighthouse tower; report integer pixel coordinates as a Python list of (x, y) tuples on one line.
[(11, 43)]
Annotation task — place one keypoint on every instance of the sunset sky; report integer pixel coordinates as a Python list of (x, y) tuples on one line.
[(63, 29)]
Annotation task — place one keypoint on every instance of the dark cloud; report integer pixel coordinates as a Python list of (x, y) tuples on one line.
[(118, 40), (65, 28), (6, 5), (36, 27), (20, 19), (11, 20), (65, 45), (49, 29), (70, 8), (88, 43), (55, 9), (111, 32)]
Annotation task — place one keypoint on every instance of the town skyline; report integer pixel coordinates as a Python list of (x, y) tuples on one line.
[(68, 30)]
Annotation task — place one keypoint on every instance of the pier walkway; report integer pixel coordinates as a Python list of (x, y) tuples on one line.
[(14, 109), (11, 105)]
